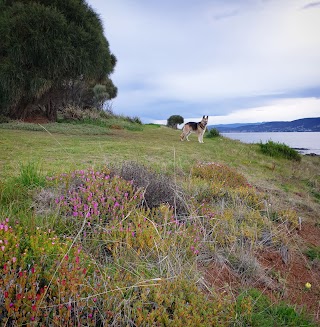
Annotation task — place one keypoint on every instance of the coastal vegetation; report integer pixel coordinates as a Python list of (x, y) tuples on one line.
[(276, 149), (130, 226), (53, 54)]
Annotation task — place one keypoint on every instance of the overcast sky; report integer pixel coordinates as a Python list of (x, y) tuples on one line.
[(236, 61)]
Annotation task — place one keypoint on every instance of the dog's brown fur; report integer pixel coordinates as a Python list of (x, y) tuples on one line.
[(192, 127)]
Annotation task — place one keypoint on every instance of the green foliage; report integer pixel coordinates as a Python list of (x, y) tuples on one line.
[(213, 132), (255, 309), (279, 150), (40, 65), (174, 120), (313, 253), (4, 119), (76, 115)]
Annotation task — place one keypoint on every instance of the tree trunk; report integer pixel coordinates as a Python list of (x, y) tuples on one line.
[(51, 111)]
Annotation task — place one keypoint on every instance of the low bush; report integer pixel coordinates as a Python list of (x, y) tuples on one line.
[(158, 188), (213, 132), (92, 116), (279, 150), (219, 173)]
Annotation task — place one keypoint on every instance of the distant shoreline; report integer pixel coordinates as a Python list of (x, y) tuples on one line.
[(306, 143)]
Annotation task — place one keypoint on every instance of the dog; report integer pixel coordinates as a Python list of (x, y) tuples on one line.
[(192, 127)]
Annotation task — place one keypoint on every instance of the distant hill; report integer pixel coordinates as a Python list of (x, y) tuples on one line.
[(299, 125)]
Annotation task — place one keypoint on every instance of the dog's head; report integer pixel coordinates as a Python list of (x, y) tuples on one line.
[(204, 120)]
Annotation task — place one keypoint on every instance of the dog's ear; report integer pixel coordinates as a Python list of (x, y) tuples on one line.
[(203, 117), (207, 117)]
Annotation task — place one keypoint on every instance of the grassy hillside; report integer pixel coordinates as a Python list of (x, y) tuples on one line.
[(104, 225)]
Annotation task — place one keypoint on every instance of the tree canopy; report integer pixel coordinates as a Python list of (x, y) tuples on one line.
[(52, 52), (174, 120)]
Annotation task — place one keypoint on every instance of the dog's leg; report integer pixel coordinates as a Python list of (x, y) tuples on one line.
[(183, 135), (200, 138), (187, 135)]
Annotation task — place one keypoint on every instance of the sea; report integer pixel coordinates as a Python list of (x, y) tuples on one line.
[(303, 142)]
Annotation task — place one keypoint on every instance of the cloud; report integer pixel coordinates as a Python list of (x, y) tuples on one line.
[(193, 58), (311, 5), (285, 109)]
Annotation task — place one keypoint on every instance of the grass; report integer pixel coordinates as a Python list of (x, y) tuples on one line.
[(140, 260)]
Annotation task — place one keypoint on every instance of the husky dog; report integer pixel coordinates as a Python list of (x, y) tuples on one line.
[(192, 127)]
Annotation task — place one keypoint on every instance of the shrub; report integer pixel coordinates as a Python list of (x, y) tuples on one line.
[(158, 188), (213, 132), (4, 119), (42, 279), (219, 173), (279, 150)]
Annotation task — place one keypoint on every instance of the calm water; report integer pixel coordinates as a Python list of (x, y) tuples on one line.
[(304, 142)]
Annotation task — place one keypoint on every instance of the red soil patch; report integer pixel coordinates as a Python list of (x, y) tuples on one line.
[(292, 278), (220, 276), (289, 279), (37, 120), (310, 233)]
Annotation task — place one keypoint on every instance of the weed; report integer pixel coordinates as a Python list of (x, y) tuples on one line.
[(279, 150), (213, 132), (31, 175), (256, 309), (313, 253)]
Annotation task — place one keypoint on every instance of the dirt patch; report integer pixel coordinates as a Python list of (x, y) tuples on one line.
[(220, 277), (37, 120), (292, 278), (310, 233), (288, 280)]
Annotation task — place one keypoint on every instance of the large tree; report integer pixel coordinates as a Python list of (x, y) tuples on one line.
[(49, 51)]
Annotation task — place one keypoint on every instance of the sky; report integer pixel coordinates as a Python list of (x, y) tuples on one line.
[(235, 61)]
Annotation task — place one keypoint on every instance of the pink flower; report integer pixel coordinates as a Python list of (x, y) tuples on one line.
[(14, 259)]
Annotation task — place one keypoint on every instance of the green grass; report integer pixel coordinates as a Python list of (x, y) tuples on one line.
[(156, 250), (264, 313), (313, 253)]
